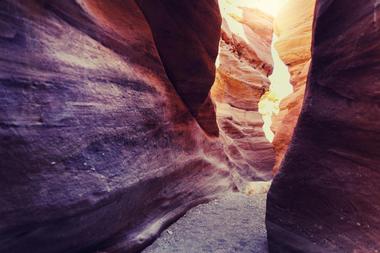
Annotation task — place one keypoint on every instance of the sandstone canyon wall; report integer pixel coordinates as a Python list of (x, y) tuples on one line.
[(99, 146), (326, 195), (293, 28), (244, 63), (187, 40)]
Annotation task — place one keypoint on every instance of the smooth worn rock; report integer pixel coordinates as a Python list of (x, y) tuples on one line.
[(187, 35), (293, 28), (326, 196), (244, 63), (98, 152)]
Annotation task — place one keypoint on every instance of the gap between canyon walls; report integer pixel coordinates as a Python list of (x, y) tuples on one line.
[(244, 53), (280, 88), (291, 52), (251, 49), (293, 30), (243, 65), (245, 61)]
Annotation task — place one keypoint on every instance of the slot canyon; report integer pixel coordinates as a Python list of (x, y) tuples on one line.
[(189, 126)]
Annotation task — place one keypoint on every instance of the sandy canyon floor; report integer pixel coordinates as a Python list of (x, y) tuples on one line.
[(233, 223)]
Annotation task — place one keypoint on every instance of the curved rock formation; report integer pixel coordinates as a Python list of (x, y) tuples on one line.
[(292, 26), (242, 78), (98, 152), (187, 40), (326, 196)]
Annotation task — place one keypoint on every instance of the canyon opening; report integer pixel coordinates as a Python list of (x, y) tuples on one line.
[(161, 126)]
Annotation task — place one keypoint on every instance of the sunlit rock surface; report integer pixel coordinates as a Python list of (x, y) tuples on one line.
[(292, 26), (326, 197), (98, 152), (244, 63)]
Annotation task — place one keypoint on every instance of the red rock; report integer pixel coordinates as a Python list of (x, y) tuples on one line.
[(326, 196), (293, 27), (98, 151), (242, 78), (187, 41)]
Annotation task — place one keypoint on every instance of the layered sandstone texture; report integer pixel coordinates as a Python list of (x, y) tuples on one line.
[(326, 197), (293, 29), (99, 145), (243, 66)]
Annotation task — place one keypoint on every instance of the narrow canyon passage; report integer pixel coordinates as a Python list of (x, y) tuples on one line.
[(251, 78), (189, 126)]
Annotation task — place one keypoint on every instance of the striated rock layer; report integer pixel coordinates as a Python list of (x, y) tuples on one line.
[(244, 64), (326, 197), (98, 152), (293, 28)]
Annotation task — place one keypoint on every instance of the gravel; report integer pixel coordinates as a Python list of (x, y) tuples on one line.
[(233, 223)]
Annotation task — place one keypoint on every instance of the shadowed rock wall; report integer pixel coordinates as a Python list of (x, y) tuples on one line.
[(326, 196), (98, 152), (187, 36)]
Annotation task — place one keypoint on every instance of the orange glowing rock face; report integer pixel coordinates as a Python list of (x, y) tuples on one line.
[(293, 28), (247, 34), (279, 89), (243, 66), (257, 15)]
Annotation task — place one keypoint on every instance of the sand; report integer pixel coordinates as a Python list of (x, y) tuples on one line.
[(233, 223)]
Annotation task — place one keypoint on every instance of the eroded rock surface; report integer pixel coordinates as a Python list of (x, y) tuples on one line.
[(244, 64), (187, 36), (98, 152), (293, 28), (326, 196)]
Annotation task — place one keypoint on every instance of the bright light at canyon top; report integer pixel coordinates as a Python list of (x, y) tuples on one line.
[(270, 7), (280, 86)]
